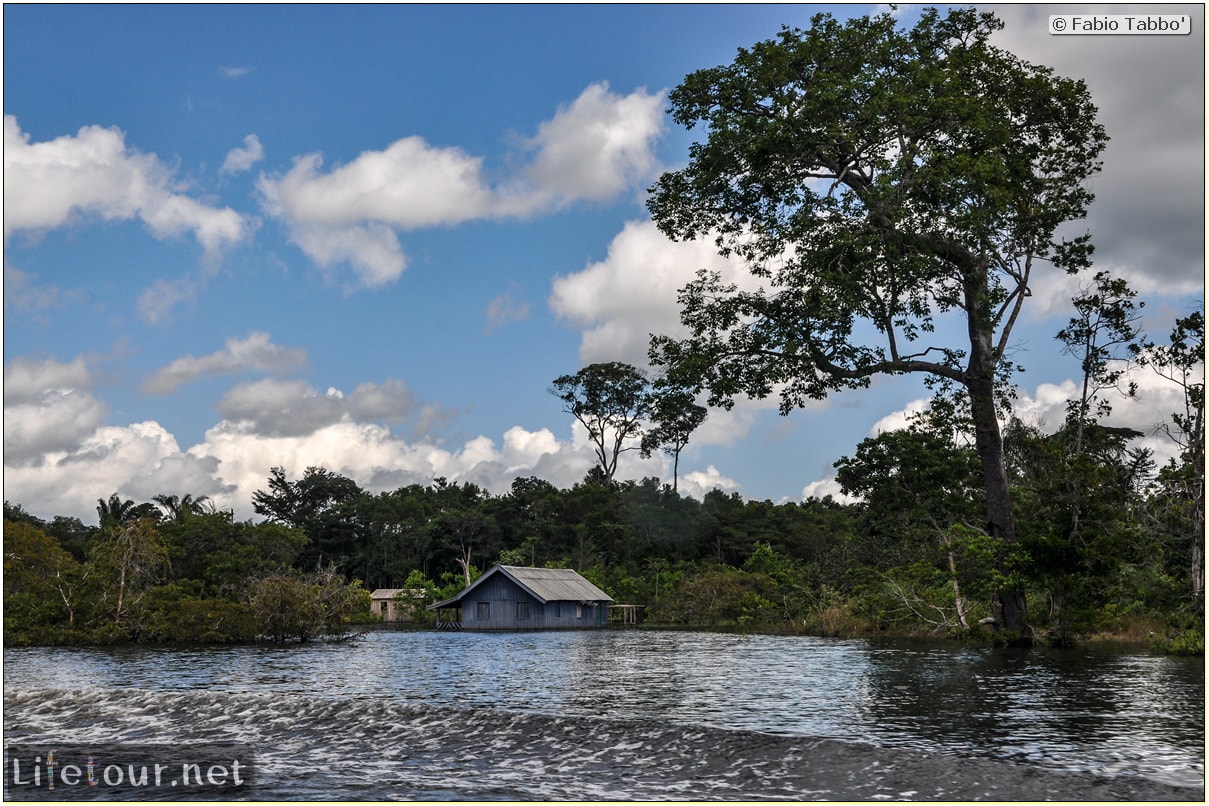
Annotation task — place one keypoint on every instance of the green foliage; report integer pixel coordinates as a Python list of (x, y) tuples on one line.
[(176, 613), (1189, 642), (417, 593), (296, 607), (878, 183)]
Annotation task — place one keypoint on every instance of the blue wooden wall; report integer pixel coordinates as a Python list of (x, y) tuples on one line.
[(502, 596)]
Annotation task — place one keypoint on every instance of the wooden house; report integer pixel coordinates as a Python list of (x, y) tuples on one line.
[(387, 607), (509, 597)]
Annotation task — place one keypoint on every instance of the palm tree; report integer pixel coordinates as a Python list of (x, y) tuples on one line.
[(179, 508), (115, 511)]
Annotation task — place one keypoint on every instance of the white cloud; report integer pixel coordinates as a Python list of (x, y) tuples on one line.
[(242, 159), (633, 292), (373, 250), (272, 407), (26, 380), (827, 487), (390, 402), (408, 185), (93, 174), (620, 301), (697, 483), (137, 461), (599, 146), (293, 408), (156, 303), (58, 420), (349, 214), (234, 72), (898, 420), (254, 353)]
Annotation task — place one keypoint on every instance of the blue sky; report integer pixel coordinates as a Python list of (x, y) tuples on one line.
[(369, 237)]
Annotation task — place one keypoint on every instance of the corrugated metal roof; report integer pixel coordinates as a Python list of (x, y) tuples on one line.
[(545, 584), (555, 584)]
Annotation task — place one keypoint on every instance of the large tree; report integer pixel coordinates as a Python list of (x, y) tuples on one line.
[(889, 188), (611, 400)]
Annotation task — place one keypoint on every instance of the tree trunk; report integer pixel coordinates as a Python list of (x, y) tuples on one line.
[(464, 561), (959, 601), (1008, 606)]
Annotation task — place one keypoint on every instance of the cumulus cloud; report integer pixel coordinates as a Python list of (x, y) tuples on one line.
[(599, 146), (410, 184), (697, 483), (373, 250), (632, 293), (242, 159), (47, 407), (620, 301), (137, 461), (827, 487), (273, 407), (351, 214), (58, 420), (270, 424), (293, 408), (254, 353), (93, 174), (26, 380)]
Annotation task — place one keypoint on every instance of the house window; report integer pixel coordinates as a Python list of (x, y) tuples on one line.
[(579, 611), (558, 609), (522, 610), (483, 611), (385, 606)]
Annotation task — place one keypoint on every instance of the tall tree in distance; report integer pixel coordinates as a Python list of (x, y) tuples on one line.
[(880, 183), (675, 417), (1104, 335), (611, 400)]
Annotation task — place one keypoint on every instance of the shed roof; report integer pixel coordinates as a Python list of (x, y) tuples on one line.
[(390, 593), (543, 584)]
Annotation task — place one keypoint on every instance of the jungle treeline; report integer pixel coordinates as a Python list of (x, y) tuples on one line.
[(1111, 547)]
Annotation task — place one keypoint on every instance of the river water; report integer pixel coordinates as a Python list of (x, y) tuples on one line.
[(636, 715)]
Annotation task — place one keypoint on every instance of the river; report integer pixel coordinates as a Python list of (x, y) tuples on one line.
[(634, 715)]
